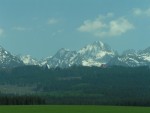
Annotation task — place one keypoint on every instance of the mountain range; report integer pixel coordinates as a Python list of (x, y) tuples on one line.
[(95, 54)]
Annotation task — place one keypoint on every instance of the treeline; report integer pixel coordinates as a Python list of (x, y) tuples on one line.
[(97, 100), (21, 100), (72, 100)]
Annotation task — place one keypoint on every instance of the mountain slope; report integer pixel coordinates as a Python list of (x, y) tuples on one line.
[(9, 60), (132, 58), (63, 58), (28, 60), (145, 54)]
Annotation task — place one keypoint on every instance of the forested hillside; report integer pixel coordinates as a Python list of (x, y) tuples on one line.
[(79, 85)]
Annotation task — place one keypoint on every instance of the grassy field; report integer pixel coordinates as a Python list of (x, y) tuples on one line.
[(72, 109)]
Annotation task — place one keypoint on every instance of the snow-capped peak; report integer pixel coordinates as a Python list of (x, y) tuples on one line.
[(98, 43), (63, 53), (94, 54), (63, 50), (8, 60), (145, 54), (97, 46)]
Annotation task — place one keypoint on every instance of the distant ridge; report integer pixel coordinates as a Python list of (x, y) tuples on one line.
[(95, 54)]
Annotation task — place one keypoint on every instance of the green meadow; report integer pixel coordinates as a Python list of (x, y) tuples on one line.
[(72, 109)]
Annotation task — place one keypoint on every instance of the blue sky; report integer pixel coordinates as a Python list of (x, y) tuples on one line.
[(41, 27)]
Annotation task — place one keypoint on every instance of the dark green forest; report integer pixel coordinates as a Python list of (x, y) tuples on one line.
[(78, 85)]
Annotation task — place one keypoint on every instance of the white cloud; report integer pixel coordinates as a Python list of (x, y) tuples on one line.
[(140, 12), (52, 21), (105, 26), (119, 26), (91, 26), (18, 28), (1, 31)]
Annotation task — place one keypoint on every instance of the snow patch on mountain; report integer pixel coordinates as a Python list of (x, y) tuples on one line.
[(28, 60), (91, 62), (146, 58)]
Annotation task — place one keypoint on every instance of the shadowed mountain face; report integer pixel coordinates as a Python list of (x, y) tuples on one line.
[(95, 54)]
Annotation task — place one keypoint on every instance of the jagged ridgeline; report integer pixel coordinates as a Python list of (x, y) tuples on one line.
[(95, 54)]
